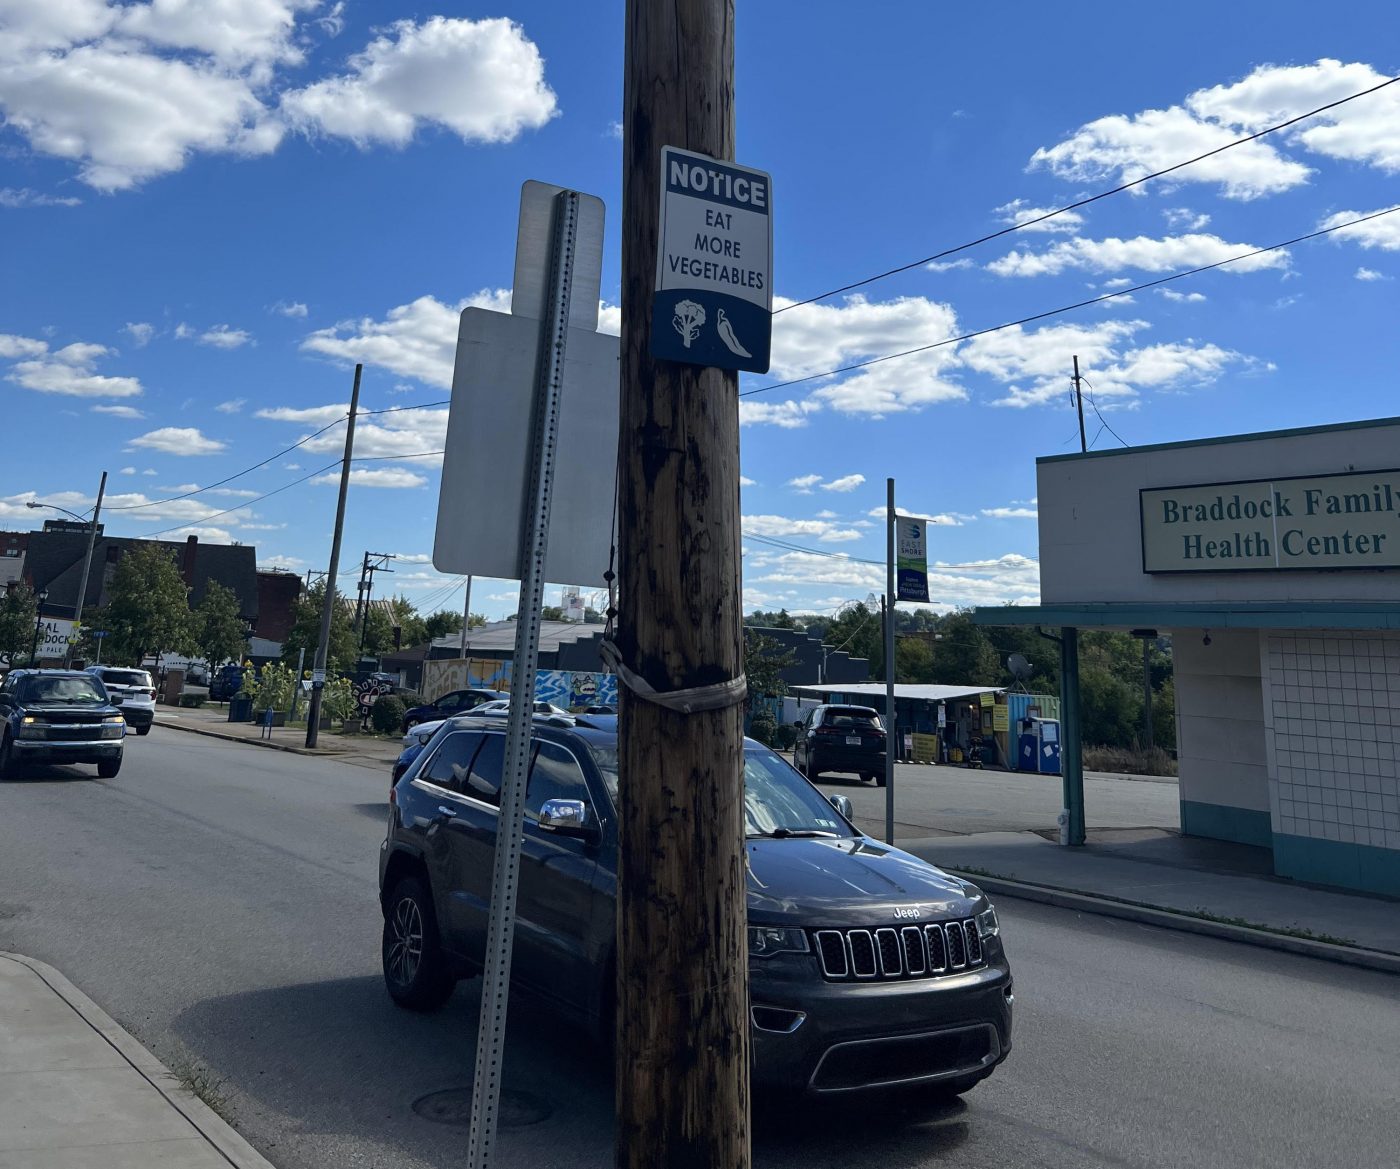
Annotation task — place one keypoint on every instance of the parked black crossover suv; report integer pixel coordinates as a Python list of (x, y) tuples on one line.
[(841, 738), (868, 966)]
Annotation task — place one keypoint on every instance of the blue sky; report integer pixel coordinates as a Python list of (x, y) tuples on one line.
[(210, 209)]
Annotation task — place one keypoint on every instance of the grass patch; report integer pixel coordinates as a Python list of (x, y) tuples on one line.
[(1129, 760), (205, 1086)]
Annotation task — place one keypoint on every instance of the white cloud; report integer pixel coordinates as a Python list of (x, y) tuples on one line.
[(483, 80), (775, 525), (232, 406), (293, 309), (208, 535), (1020, 211), (1181, 297), (294, 563), (615, 130), (127, 471), (66, 371), (178, 440), (1129, 146), (16, 197), (745, 481), (845, 483), (952, 519), (319, 415), (1141, 252), (949, 265), (1381, 233), (378, 477), (815, 338), (1011, 578), (788, 415), (1184, 219), (119, 411), (1011, 513), (224, 337), (803, 484), (1370, 274), (150, 471), (140, 332)]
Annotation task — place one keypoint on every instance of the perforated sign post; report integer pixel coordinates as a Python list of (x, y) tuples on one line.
[(713, 303)]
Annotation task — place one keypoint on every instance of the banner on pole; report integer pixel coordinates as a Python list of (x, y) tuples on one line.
[(911, 543)]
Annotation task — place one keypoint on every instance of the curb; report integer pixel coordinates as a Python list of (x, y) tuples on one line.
[(232, 1147), (228, 738), (1167, 919)]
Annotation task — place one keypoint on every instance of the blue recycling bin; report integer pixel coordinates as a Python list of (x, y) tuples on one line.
[(1038, 748)]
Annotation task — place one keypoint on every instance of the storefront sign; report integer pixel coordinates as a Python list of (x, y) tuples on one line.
[(55, 639), (911, 544), (1001, 718), (1320, 522)]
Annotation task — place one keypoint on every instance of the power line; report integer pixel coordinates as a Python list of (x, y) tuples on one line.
[(1071, 307), (239, 507), (385, 458), (399, 409), (231, 478), (982, 566), (1085, 202), (1101, 418)]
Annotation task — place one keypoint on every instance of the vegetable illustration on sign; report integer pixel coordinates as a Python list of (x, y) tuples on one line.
[(688, 319), (726, 334)]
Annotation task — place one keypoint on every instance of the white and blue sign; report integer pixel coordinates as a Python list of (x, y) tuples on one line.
[(911, 537), (713, 303)]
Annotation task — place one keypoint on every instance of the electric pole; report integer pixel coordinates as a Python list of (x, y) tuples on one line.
[(466, 617), (367, 588), (682, 997), (87, 566), (318, 670), (1079, 404)]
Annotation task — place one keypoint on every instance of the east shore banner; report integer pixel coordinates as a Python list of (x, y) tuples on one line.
[(1349, 521), (911, 548)]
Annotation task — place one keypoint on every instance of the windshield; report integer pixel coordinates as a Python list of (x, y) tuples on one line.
[(78, 691), (127, 678), (857, 718), (777, 801)]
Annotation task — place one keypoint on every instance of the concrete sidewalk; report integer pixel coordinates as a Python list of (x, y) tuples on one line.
[(213, 721), (1204, 886), (78, 1092)]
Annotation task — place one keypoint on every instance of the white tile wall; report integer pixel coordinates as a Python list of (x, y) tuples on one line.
[(1332, 729)]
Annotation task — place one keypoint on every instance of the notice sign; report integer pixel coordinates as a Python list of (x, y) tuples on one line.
[(713, 303), (911, 546), (1346, 521), (55, 639)]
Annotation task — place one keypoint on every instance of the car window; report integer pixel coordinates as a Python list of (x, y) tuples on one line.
[(488, 770), (451, 762), (776, 797), (449, 701), (852, 717), (126, 678), (555, 775)]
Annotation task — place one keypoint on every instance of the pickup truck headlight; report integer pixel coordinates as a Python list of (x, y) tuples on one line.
[(987, 924), (31, 728), (765, 941), (113, 727)]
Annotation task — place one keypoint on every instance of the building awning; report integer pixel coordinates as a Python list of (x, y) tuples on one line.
[(902, 690), (1200, 615)]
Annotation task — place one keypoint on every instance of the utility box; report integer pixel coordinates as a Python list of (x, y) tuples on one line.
[(174, 686), (1039, 746)]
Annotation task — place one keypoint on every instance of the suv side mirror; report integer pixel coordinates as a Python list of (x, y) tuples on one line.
[(567, 818), (843, 805)]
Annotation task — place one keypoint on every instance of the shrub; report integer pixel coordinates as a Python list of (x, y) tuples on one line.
[(191, 699), (1132, 760), (386, 715), (338, 699), (273, 688), (784, 737), (763, 727)]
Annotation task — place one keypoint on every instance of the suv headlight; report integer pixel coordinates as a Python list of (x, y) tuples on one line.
[(987, 924), (765, 941), (31, 728)]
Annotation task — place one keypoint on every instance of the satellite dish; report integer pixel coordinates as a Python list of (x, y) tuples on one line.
[(1018, 665)]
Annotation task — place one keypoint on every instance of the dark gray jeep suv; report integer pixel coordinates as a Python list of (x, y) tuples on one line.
[(868, 967)]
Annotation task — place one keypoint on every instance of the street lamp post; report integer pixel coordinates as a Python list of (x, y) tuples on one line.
[(39, 598), (87, 557)]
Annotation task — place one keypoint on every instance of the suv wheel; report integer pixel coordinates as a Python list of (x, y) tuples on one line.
[(409, 724), (8, 769), (108, 768), (146, 730), (416, 973)]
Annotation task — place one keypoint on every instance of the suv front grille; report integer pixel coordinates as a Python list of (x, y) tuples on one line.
[(910, 952)]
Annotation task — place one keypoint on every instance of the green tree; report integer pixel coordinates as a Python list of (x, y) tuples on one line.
[(413, 630), (856, 630), (306, 630), (18, 617), (377, 636), (218, 625), (441, 623), (782, 619), (149, 607), (765, 659), (963, 653), (552, 613)]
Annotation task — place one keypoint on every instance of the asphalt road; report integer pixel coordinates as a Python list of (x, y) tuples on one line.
[(219, 901)]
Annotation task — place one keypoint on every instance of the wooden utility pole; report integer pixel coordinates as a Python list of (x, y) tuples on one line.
[(682, 1001), (1079, 404)]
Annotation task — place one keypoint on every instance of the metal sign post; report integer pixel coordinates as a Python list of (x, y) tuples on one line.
[(893, 595), (500, 930)]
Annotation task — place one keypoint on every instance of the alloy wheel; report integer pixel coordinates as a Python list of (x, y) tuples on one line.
[(406, 949)]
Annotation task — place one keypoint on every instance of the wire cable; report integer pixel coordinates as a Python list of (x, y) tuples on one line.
[(1054, 312), (191, 523), (787, 546), (1101, 418), (230, 479), (1085, 202), (400, 409)]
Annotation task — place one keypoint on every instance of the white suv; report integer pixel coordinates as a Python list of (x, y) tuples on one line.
[(133, 691)]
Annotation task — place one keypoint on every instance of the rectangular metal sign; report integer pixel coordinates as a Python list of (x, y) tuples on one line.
[(1321, 522), (713, 303), (55, 638), (911, 544)]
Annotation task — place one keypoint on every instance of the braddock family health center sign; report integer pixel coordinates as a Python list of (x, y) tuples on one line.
[(1320, 522)]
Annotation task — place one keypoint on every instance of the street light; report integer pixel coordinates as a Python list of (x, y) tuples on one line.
[(87, 558), (39, 598)]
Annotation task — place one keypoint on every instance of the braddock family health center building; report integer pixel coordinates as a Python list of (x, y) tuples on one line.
[(1273, 561)]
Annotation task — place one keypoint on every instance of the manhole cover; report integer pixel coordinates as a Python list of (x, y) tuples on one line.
[(454, 1106)]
